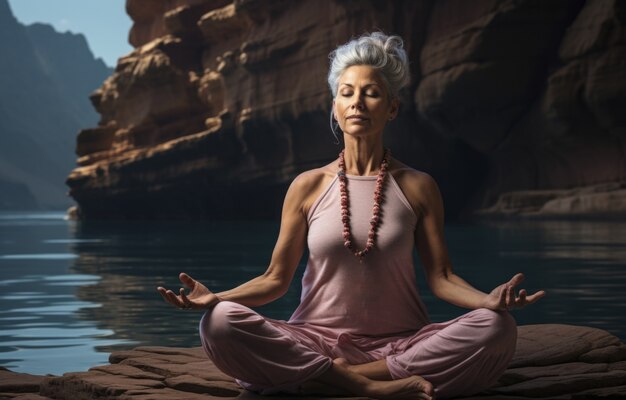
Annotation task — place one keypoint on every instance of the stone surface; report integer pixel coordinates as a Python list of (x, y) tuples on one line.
[(506, 96), (94, 384), (556, 385), (549, 344), (559, 362), (12, 382), (190, 383)]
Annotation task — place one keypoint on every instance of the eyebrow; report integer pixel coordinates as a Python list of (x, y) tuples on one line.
[(365, 86)]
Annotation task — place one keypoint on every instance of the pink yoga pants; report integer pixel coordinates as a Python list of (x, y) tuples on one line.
[(459, 357)]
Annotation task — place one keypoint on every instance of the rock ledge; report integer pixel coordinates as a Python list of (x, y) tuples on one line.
[(551, 362)]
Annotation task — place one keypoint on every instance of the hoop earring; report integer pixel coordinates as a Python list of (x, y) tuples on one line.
[(333, 127)]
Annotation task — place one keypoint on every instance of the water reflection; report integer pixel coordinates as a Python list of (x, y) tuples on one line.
[(581, 240), (76, 291), (132, 262), (39, 329), (581, 264)]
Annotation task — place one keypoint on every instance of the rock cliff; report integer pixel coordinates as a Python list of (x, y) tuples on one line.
[(222, 103)]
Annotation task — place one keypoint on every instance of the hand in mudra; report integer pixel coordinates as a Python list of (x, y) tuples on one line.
[(504, 297), (200, 298)]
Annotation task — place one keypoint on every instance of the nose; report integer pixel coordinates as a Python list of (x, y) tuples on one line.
[(358, 103)]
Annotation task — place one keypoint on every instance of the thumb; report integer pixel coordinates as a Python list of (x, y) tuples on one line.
[(517, 279), (187, 280)]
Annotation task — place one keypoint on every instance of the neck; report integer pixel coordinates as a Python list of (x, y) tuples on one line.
[(363, 155)]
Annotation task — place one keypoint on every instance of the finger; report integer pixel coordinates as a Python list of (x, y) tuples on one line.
[(175, 300), (187, 280), (163, 294), (502, 299), (185, 299), (534, 297), (516, 280), (521, 300), (166, 296), (510, 300)]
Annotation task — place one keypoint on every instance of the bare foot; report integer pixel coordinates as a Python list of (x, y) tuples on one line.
[(376, 370), (342, 362), (335, 382), (413, 387), (318, 388)]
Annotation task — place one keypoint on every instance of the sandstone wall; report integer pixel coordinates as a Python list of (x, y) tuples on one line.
[(222, 103)]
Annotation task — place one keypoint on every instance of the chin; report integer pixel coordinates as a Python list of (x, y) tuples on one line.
[(359, 133)]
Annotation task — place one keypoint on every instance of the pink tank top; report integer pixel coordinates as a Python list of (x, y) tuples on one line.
[(376, 297)]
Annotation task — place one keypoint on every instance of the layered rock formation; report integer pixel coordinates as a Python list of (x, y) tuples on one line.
[(607, 200), (222, 103), (551, 362), (46, 77)]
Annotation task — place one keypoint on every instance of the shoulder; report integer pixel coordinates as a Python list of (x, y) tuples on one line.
[(410, 176), (308, 185), (420, 188), (309, 181)]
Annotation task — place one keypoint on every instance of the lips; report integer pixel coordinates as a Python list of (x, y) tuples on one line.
[(358, 117)]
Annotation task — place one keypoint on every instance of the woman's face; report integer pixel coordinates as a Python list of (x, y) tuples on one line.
[(362, 105)]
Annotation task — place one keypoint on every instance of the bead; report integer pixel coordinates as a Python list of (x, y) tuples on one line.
[(376, 209)]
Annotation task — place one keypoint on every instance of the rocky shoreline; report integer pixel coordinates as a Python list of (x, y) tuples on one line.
[(592, 202), (552, 361)]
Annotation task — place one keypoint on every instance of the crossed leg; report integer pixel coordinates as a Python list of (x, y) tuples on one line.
[(377, 370), (268, 359), (349, 382), (459, 357)]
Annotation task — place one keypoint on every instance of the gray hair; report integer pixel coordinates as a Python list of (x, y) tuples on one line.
[(384, 53)]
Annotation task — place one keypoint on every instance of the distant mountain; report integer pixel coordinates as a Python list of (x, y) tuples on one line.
[(45, 81)]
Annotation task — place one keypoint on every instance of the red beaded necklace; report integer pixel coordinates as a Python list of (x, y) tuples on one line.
[(345, 214)]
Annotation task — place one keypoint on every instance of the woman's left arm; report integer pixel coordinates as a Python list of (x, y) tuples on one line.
[(430, 241)]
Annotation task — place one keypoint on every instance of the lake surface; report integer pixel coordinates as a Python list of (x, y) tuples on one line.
[(72, 292)]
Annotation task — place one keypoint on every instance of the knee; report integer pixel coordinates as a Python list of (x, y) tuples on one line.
[(217, 323), (499, 328)]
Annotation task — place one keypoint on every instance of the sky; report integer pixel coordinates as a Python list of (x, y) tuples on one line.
[(104, 23)]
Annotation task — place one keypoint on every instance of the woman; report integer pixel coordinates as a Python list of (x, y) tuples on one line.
[(361, 327)]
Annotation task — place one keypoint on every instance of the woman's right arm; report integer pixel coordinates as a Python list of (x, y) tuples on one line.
[(287, 253)]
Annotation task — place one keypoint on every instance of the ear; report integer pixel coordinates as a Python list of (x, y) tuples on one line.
[(335, 111), (394, 108)]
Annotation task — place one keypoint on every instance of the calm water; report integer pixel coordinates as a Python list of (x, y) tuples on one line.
[(70, 293)]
